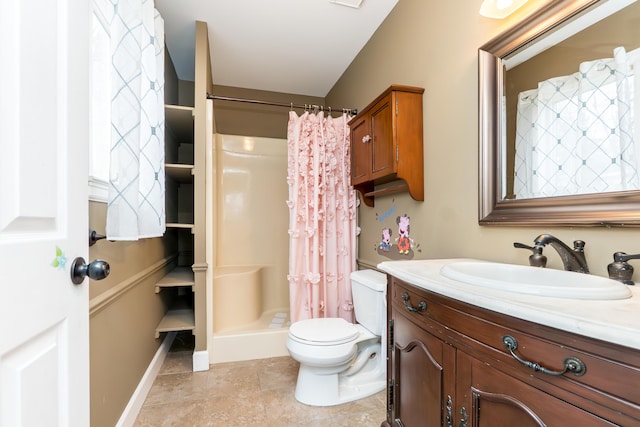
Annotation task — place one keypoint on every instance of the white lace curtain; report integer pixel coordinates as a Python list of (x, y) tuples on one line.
[(577, 134), (134, 48)]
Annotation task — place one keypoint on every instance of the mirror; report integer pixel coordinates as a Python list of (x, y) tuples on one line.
[(559, 30)]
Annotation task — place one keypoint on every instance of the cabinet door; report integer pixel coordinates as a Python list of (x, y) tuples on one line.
[(422, 368), (492, 398), (383, 149), (361, 150)]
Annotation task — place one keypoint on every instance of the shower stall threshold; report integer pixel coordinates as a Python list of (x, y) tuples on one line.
[(267, 337)]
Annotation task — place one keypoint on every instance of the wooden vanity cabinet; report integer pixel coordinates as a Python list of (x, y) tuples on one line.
[(419, 376), (386, 144), (447, 367)]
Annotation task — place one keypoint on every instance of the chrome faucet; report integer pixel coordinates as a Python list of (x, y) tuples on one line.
[(573, 259)]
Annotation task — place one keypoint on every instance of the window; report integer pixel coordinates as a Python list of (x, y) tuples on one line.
[(100, 93)]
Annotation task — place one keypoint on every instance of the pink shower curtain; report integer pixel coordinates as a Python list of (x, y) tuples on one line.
[(322, 223)]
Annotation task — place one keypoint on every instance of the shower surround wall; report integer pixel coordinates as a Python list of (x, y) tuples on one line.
[(250, 292)]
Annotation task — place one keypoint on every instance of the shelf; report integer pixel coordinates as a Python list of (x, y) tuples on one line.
[(394, 188), (369, 190), (178, 225), (180, 276), (181, 319), (178, 172), (179, 121)]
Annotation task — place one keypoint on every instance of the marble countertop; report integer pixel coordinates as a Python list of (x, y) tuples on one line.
[(615, 321)]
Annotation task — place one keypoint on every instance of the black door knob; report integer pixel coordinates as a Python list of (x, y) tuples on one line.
[(96, 270)]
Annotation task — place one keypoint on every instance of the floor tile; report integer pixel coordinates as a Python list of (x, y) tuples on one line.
[(180, 413), (254, 393)]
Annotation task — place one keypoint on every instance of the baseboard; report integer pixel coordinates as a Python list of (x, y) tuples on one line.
[(200, 361), (130, 413)]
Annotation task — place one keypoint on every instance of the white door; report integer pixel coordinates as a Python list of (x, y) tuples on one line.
[(44, 122)]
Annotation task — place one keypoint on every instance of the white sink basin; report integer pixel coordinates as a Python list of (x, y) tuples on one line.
[(535, 281)]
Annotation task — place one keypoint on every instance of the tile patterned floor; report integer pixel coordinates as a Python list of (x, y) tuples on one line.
[(257, 393)]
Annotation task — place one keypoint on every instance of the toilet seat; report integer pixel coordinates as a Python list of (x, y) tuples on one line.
[(323, 331)]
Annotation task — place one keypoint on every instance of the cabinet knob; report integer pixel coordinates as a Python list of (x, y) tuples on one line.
[(366, 139)]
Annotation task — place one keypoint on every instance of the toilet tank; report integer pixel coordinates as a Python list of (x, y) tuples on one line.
[(369, 288)]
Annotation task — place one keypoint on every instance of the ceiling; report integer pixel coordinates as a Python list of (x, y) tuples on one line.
[(290, 46)]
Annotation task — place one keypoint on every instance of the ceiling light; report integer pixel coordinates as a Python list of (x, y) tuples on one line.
[(499, 8), (351, 3)]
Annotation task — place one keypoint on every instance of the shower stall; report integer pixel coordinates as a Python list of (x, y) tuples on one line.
[(248, 291)]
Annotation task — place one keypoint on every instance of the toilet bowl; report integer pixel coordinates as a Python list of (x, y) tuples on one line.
[(339, 361)]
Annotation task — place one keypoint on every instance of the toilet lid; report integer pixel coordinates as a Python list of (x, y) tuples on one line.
[(324, 331)]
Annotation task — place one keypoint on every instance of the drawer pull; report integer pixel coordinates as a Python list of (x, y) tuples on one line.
[(571, 364), (422, 306)]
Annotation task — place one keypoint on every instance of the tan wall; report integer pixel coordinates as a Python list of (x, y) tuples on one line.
[(171, 83), (237, 118), (124, 311), (434, 45)]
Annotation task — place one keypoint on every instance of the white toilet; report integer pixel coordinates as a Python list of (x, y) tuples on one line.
[(340, 361)]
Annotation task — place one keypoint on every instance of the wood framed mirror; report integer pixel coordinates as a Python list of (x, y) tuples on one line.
[(558, 24)]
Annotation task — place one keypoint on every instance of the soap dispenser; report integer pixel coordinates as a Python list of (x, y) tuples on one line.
[(620, 269)]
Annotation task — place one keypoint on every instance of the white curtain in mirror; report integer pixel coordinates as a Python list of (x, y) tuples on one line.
[(575, 134), (132, 40)]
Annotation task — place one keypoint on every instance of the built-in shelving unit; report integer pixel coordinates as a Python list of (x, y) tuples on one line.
[(183, 288), (179, 185)]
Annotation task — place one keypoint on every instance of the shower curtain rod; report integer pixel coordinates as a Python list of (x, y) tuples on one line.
[(351, 111)]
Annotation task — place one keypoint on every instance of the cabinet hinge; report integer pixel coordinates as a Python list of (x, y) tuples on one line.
[(396, 107), (389, 397), (390, 338), (397, 156)]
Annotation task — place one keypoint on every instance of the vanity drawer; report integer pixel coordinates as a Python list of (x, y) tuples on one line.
[(602, 378), (612, 373), (410, 300)]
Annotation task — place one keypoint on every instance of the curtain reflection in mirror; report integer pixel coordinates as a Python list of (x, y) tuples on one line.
[(575, 134)]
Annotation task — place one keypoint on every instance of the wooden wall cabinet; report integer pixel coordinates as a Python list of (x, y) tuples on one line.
[(386, 144), (447, 366)]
